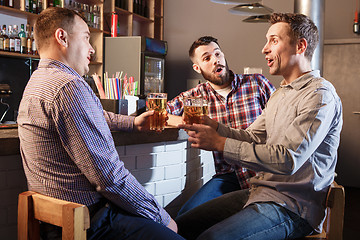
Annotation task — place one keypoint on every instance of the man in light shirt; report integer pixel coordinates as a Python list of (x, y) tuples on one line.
[(292, 144)]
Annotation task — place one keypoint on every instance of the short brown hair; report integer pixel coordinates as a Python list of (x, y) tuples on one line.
[(206, 40), (301, 26), (51, 19)]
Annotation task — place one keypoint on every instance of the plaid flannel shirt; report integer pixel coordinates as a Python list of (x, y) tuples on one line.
[(243, 105)]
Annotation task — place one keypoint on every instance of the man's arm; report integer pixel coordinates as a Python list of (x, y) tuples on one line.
[(87, 140)]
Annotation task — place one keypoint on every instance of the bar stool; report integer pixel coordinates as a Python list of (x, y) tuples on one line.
[(334, 221), (33, 207)]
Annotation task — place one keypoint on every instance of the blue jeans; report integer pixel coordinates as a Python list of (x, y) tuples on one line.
[(110, 222), (226, 218), (214, 188)]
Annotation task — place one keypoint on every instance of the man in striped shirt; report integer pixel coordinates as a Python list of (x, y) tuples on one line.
[(233, 99), (65, 141)]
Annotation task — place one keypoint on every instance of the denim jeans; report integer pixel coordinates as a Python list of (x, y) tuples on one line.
[(214, 188), (111, 222), (226, 218)]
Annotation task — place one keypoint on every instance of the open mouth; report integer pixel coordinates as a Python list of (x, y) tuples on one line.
[(270, 61), (218, 69)]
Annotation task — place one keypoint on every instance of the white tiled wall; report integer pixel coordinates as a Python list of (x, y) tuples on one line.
[(171, 171)]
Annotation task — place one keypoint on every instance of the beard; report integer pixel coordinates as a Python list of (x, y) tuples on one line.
[(218, 80)]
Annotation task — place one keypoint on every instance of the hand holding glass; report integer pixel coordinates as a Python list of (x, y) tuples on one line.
[(194, 108), (157, 102)]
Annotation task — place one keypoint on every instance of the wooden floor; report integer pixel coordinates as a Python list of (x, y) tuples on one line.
[(352, 214)]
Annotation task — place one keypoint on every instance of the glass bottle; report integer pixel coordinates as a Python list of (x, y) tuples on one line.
[(1, 40), (33, 45), (39, 6), (27, 8), (6, 39), (11, 3), (28, 39), (22, 36), (17, 46), (34, 6), (12, 39)]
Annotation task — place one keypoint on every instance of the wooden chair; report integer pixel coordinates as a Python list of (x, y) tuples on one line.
[(334, 221), (33, 207)]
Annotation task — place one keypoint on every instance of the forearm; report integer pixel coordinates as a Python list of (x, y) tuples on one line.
[(118, 122)]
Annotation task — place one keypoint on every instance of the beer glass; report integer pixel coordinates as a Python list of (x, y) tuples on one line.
[(194, 108), (157, 102)]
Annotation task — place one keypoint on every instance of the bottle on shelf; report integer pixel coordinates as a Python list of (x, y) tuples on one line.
[(10, 3), (6, 39), (39, 6), (2, 39), (27, 6), (33, 45), (34, 6), (22, 36), (50, 3), (17, 46), (28, 40), (146, 9), (12, 39)]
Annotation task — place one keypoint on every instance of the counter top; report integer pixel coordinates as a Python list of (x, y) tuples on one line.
[(10, 144)]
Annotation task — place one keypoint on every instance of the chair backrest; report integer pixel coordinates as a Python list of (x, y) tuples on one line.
[(33, 207), (334, 221)]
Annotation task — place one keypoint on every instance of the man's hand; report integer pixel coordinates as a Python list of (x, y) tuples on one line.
[(142, 122), (172, 225), (204, 136)]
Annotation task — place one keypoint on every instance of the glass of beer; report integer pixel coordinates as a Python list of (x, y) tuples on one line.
[(157, 102), (194, 108)]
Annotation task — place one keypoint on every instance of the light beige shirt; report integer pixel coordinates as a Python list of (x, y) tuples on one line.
[(293, 144)]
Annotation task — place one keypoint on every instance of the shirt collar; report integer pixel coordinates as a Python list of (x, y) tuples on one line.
[(301, 81), (47, 62)]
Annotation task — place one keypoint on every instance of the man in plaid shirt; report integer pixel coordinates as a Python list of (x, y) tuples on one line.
[(233, 99)]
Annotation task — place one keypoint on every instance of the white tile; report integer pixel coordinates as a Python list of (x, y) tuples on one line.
[(168, 186), (169, 158), (145, 148), (146, 161), (173, 171), (149, 175), (175, 146)]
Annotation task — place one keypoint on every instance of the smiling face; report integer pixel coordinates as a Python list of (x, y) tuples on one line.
[(210, 61), (279, 50), (79, 48)]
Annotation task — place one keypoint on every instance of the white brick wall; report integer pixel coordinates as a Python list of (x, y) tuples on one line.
[(171, 171)]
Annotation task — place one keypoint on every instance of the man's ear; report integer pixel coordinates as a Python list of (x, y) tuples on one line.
[(61, 37), (196, 68), (301, 46)]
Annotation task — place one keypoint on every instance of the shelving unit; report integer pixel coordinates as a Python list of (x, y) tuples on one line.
[(133, 24), (96, 66), (129, 24)]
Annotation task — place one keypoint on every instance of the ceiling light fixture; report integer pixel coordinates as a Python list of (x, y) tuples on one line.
[(257, 19), (251, 10), (234, 2)]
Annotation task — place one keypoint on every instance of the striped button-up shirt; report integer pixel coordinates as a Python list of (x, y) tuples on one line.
[(248, 96), (67, 148)]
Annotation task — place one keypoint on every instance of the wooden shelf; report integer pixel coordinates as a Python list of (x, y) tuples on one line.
[(122, 11), (18, 55), (142, 18), (133, 24), (14, 12)]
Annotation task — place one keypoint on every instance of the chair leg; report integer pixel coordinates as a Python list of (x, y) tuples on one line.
[(28, 226), (337, 213)]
